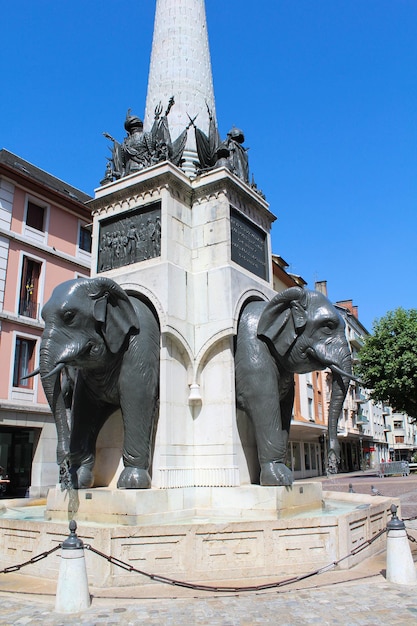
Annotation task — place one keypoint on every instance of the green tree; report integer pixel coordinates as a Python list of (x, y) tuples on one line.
[(388, 361)]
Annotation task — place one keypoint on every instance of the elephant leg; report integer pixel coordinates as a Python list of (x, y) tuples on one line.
[(139, 393), (286, 386), (138, 403), (88, 417), (272, 427), (138, 423), (258, 394), (276, 472)]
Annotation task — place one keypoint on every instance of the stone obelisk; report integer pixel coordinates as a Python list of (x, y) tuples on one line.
[(180, 67)]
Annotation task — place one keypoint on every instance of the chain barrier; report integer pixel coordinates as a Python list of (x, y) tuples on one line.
[(410, 519), (225, 589), (35, 559)]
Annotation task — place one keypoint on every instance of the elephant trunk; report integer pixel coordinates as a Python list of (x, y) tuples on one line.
[(340, 384), (50, 371)]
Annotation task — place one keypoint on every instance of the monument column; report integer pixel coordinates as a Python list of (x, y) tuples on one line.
[(180, 67)]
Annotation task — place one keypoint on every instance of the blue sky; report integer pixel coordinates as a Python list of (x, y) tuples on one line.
[(325, 91)]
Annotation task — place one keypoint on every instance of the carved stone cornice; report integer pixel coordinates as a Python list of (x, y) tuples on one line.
[(145, 186), (240, 195), (149, 184)]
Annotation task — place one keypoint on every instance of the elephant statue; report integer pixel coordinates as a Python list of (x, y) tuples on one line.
[(298, 331), (99, 353)]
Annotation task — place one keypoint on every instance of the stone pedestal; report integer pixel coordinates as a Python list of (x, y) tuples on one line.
[(204, 535), (197, 251), (134, 507)]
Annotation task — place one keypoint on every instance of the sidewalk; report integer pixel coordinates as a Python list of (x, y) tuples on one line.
[(357, 597), (402, 487), (366, 601)]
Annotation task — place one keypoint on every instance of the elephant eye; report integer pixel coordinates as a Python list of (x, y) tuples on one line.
[(69, 316), (329, 325)]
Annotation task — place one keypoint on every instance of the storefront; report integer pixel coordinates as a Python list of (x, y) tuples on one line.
[(16, 456), (356, 453), (306, 455)]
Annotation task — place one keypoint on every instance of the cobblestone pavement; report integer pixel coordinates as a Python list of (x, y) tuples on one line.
[(372, 602), (368, 600)]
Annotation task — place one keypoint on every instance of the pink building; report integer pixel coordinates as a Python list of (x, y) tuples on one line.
[(44, 240)]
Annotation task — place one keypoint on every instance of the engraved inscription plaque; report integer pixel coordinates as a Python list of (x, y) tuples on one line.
[(249, 248), (130, 237)]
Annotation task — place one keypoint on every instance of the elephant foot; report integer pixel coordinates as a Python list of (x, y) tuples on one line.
[(85, 477), (275, 474), (134, 478), (81, 477)]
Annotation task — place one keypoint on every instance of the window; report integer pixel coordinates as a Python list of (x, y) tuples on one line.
[(35, 216), (84, 239), (296, 459), (35, 226), (320, 410), (310, 409), (28, 303), (307, 457), (24, 360)]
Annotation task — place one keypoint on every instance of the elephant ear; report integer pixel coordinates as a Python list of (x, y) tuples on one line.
[(283, 319), (114, 311)]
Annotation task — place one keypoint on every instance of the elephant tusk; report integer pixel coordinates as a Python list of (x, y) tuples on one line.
[(337, 370), (56, 370), (34, 373), (333, 367)]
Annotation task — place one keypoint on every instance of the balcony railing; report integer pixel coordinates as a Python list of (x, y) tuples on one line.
[(29, 309), (356, 340), (360, 399), (362, 419)]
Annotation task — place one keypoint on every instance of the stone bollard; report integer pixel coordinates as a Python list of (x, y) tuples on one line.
[(72, 594), (400, 565)]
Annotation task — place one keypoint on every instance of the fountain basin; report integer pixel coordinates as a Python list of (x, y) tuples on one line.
[(238, 536), (167, 506)]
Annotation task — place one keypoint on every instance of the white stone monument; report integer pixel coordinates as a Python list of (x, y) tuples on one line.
[(203, 250), (196, 246)]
